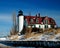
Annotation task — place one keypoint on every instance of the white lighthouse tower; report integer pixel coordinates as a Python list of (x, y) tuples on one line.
[(20, 21)]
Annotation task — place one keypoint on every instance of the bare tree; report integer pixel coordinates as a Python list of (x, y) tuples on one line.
[(14, 27)]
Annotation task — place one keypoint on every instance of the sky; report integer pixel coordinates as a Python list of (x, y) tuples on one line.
[(50, 8)]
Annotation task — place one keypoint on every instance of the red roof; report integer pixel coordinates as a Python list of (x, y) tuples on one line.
[(40, 20)]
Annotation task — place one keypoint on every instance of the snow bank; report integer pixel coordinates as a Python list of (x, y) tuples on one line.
[(3, 39)]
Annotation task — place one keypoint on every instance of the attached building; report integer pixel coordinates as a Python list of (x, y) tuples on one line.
[(35, 21)]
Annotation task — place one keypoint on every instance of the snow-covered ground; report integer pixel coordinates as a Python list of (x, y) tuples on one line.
[(43, 37), (2, 39)]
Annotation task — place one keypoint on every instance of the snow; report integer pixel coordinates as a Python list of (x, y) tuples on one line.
[(51, 36), (44, 37), (2, 39)]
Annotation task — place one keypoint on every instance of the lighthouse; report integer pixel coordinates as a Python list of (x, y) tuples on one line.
[(20, 21)]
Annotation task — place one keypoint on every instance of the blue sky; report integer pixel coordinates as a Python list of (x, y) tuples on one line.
[(49, 8)]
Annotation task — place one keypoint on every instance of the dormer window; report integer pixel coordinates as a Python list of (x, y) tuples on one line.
[(31, 20), (45, 21), (37, 21)]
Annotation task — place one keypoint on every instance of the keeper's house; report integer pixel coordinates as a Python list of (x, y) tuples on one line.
[(35, 21)]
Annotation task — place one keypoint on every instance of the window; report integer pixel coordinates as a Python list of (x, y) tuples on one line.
[(34, 26), (31, 21), (39, 26), (45, 21), (46, 26), (37, 21)]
